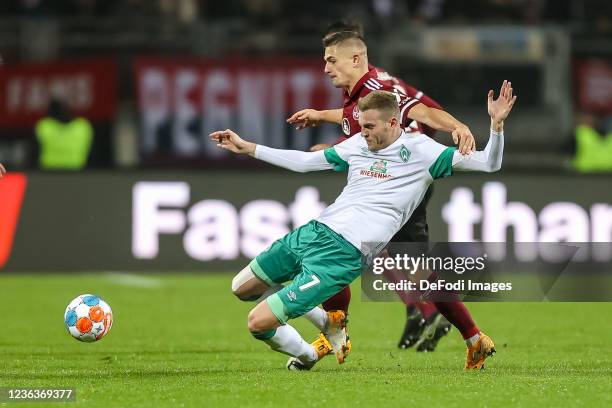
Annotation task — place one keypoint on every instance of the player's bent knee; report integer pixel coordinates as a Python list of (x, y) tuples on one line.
[(255, 323), (259, 322)]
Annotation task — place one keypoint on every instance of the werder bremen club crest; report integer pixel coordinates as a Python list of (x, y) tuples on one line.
[(404, 154)]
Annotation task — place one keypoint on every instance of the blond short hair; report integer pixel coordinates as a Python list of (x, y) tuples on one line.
[(383, 101)]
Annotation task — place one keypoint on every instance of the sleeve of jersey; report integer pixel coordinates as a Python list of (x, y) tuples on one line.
[(405, 104), (294, 160), (337, 156), (438, 158), (487, 160)]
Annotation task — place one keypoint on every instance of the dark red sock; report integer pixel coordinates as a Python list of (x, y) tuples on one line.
[(426, 308), (340, 301), (459, 316), (407, 297)]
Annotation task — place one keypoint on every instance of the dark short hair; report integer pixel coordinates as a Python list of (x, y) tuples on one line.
[(338, 37), (383, 101)]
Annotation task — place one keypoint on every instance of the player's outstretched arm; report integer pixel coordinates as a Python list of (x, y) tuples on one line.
[(442, 120), (2, 170), (311, 118), (490, 159), (290, 159)]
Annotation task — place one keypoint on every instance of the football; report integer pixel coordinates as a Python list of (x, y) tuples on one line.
[(88, 318)]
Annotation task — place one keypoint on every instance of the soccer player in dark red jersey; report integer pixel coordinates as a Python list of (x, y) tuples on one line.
[(348, 68)]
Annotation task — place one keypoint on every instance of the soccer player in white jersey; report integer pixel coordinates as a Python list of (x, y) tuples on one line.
[(348, 68), (389, 172)]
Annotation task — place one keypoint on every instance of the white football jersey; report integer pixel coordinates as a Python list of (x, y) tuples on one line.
[(384, 187)]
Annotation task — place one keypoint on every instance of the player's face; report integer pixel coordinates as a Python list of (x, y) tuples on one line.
[(378, 133), (339, 65)]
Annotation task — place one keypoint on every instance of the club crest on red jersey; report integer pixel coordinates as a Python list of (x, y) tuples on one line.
[(346, 126)]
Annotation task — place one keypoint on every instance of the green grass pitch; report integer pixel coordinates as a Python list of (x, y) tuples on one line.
[(182, 341)]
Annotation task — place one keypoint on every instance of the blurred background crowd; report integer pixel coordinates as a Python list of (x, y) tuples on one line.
[(588, 15), (140, 83)]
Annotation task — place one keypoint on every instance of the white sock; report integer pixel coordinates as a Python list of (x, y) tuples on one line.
[(288, 341), (318, 317), (472, 340), (270, 291)]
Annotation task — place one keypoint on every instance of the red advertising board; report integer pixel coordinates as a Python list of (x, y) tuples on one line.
[(87, 86), (12, 191), (594, 85), (182, 100)]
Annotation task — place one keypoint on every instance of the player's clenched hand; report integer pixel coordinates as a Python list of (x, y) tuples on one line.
[(500, 108), (229, 140), (305, 118), (2, 170), (463, 137)]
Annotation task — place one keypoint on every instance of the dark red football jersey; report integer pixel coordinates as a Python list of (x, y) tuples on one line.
[(377, 79), (407, 88), (411, 91)]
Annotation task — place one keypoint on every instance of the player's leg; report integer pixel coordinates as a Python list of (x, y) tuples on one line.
[(337, 309), (250, 286), (246, 286), (479, 345), (424, 327), (329, 264), (265, 326), (450, 306), (279, 263), (331, 251), (434, 324), (267, 271), (306, 290), (283, 261), (455, 312), (340, 301), (268, 322)]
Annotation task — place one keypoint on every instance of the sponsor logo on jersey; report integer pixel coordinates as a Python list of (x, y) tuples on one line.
[(379, 166), (377, 170), (291, 295), (356, 112), (346, 127), (404, 154)]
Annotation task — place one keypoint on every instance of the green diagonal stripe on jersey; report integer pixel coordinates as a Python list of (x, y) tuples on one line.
[(443, 166), (332, 158)]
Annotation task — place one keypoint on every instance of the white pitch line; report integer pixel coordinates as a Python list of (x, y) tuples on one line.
[(129, 279)]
